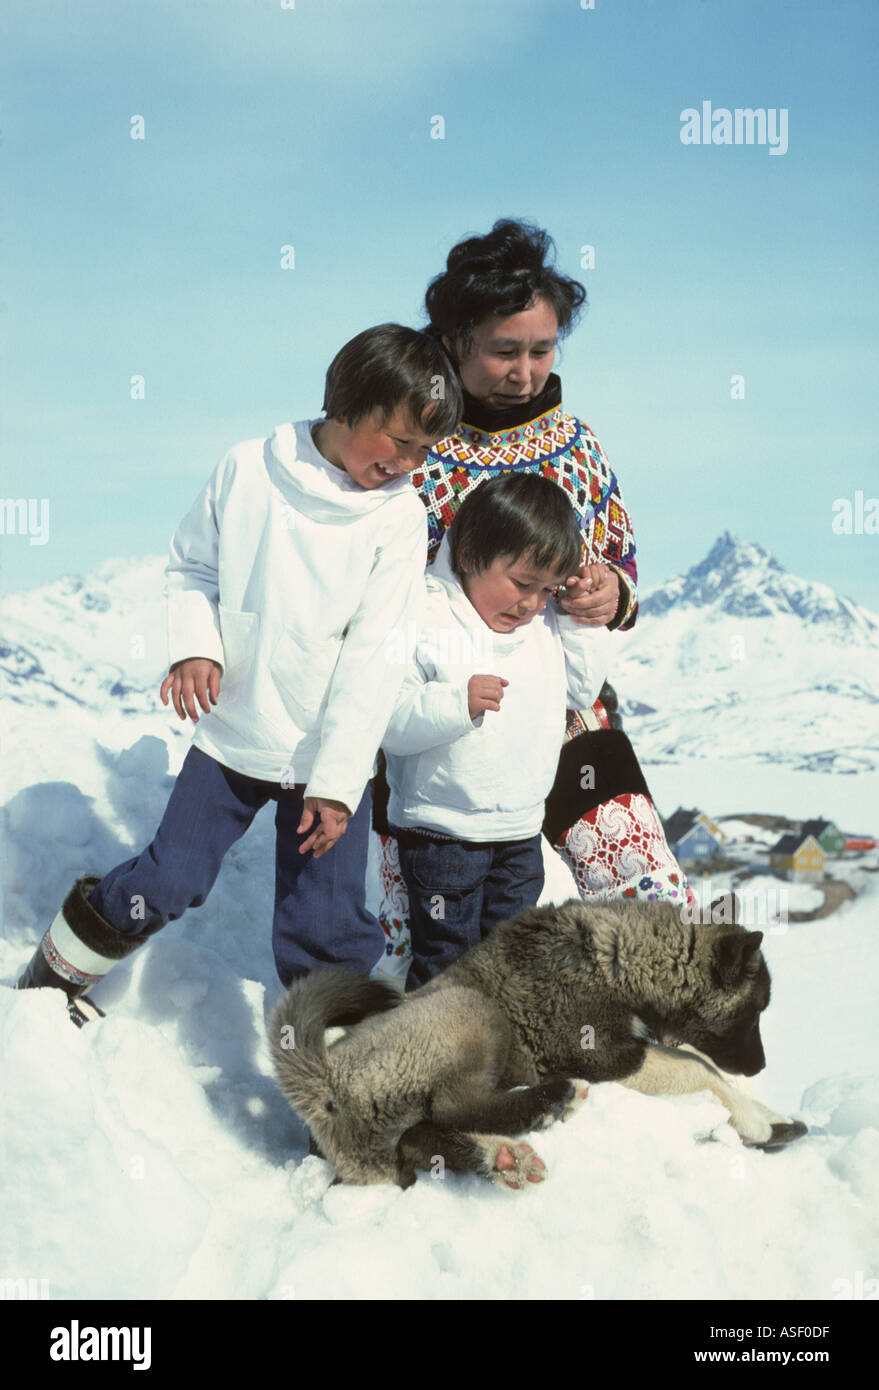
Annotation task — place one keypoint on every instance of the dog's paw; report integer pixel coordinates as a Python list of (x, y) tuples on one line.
[(510, 1164), (569, 1095), (580, 1096), (781, 1135), (758, 1127), (751, 1123)]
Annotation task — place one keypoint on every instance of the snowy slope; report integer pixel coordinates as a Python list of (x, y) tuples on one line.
[(164, 1125), (151, 1156), (736, 658)]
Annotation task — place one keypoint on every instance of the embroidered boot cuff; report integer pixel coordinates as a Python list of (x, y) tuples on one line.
[(81, 946)]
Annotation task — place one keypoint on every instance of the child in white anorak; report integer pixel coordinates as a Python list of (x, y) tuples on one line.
[(300, 553), (472, 747)]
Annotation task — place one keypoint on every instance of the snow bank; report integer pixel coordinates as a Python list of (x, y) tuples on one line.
[(151, 1156)]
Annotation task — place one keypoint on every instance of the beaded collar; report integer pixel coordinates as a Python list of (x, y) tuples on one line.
[(482, 422)]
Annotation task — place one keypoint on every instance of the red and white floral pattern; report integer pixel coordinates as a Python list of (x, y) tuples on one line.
[(393, 913), (619, 850)]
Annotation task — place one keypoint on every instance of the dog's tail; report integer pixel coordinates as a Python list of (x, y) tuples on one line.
[(330, 997)]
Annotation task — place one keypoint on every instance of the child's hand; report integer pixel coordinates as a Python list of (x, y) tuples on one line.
[(196, 677), (332, 822), (592, 595), (484, 692)]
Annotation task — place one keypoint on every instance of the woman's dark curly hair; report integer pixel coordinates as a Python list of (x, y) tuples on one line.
[(501, 273)]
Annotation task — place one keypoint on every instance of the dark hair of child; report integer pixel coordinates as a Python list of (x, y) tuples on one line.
[(390, 366), (500, 273), (517, 514)]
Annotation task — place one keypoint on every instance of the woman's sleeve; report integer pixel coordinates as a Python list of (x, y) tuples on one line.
[(609, 535)]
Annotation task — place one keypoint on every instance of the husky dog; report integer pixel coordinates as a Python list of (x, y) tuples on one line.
[(551, 1000)]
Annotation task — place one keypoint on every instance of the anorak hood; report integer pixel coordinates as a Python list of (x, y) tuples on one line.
[(317, 487)]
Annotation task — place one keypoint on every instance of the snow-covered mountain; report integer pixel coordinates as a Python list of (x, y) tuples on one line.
[(92, 650), (84, 640), (738, 658), (735, 658), (742, 579)]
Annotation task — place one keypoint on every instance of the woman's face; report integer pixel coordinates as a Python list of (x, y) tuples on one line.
[(511, 357)]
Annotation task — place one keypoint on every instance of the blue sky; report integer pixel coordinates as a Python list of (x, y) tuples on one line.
[(311, 127)]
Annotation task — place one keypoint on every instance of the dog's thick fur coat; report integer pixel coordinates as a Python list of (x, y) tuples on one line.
[(552, 999)]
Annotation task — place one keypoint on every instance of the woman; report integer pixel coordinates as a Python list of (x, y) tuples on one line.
[(499, 309)]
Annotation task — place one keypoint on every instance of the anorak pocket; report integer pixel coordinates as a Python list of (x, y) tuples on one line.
[(302, 668)]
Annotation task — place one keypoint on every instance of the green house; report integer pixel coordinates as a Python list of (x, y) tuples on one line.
[(831, 840)]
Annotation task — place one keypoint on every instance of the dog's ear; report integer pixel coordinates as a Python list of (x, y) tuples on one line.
[(726, 910), (735, 955), (753, 942)]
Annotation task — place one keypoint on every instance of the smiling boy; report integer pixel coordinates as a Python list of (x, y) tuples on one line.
[(298, 556)]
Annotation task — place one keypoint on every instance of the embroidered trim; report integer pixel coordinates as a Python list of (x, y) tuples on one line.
[(62, 967)]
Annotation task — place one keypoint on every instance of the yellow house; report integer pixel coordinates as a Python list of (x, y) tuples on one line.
[(798, 857)]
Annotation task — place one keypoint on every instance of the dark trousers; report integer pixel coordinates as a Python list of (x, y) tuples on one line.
[(458, 890), (320, 915)]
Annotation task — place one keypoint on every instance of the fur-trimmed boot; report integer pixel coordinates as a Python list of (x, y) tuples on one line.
[(77, 951)]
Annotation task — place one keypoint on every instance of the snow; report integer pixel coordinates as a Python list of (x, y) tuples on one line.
[(733, 785), (151, 1156), (737, 832), (764, 900), (164, 1123), (789, 897)]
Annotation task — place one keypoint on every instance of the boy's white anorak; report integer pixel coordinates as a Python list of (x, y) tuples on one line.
[(485, 779), (293, 578)]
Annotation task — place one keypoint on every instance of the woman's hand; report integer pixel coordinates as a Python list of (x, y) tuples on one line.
[(196, 677), (592, 595)]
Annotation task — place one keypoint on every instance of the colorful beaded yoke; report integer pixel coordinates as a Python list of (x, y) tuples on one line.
[(554, 444)]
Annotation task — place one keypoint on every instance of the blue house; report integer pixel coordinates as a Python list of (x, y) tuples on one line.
[(692, 835)]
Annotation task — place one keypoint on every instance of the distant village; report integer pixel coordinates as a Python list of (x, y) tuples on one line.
[(800, 853)]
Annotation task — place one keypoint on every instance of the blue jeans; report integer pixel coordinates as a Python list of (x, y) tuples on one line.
[(320, 913), (459, 890)]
